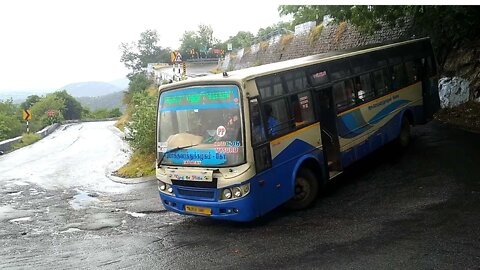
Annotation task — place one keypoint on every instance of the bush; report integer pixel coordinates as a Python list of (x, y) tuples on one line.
[(142, 123), (11, 123)]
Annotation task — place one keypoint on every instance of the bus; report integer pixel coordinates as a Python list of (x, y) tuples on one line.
[(236, 145)]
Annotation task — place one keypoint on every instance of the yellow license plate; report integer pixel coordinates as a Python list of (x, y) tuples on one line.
[(198, 210)]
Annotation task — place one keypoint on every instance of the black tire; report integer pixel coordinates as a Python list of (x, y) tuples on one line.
[(306, 190), (403, 139)]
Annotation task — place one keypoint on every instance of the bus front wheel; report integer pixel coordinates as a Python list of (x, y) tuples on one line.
[(306, 190)]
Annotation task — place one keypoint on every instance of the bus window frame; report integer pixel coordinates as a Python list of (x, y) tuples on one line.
[(372, 87)]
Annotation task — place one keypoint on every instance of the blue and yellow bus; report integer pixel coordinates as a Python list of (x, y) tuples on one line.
[(236, 145)]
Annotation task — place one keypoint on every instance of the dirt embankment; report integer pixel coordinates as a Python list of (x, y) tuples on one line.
[(466, 116)]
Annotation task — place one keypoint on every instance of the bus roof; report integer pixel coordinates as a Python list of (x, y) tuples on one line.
[(242, 75)]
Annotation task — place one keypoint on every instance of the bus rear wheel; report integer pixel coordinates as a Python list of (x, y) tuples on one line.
[(306, 190), (404, 136)]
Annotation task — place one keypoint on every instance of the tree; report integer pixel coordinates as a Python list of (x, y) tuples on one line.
[(11, 122), (448, 26), (72, 108), (274, 29), (198, 42), (28, 103), (190, 44), (40, 117), (115, 112), (205, 37), (138, 83), (137, 55), (304, 13), (130, 58), (242, 39)]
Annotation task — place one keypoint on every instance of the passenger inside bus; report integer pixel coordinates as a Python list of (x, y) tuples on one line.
[(272, 122), (360, 92), (297, 112)]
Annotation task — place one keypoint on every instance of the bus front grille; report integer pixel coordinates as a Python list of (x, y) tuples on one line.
[(202, 194)]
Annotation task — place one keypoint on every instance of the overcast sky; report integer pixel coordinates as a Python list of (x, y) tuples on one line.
[(47, 44)]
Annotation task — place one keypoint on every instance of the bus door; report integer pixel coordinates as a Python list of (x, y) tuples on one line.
[(328, 129), (431, 99)]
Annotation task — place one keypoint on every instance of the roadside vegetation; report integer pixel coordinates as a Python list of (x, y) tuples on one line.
[(138, 123), (45, 110), (139, 165), (27, 139)]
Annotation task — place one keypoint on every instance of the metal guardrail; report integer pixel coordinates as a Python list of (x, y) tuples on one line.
[(203, 60)]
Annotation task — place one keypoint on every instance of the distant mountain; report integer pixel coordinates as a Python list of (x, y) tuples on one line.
[(91, 89), (110, 101), (121, 83), (20, 96)]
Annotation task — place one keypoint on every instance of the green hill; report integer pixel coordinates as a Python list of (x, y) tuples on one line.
[(110, 101)]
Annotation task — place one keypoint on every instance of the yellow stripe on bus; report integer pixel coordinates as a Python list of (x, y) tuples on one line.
[(286, 136), (374, 100)]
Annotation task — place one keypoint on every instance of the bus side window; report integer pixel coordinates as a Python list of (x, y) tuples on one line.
[(344, 96), (302, 108), (257, 129), (412, 71), (380, 82), (296, 81), (270, 86), (363, 87), (277, 118), (399, 77)]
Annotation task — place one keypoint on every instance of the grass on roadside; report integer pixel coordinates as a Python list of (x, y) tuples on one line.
[(139, 165), (27, 139)]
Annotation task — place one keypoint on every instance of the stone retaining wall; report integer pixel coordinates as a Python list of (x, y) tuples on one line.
[(333, 37)]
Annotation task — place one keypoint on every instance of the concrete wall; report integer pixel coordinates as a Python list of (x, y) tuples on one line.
[(7, 144)]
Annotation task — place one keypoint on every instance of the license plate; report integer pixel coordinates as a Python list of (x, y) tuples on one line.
[(198, 210)]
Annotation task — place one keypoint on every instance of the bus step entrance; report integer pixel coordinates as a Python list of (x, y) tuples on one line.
[(333, 174)]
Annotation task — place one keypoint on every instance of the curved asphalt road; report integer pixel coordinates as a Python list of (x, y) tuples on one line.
[(416, 210)]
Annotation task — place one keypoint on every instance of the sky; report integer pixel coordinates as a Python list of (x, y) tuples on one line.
[(47, 44)]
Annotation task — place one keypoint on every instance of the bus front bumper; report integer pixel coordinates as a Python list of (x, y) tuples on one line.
[(236, 210)]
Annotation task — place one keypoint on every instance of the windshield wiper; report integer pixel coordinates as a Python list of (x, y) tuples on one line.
[(173, 150)]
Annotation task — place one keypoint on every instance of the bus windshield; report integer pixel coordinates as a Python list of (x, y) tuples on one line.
[(201, 126)]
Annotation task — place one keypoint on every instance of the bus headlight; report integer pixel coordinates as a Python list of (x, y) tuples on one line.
[(235, 192), (165, 188), (162, 186), (227, 193)]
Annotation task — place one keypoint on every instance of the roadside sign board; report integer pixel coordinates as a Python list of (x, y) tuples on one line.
[(27, 115), (176, 57)]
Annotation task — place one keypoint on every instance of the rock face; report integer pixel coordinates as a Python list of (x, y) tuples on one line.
[(464, 62), (453, 91)]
